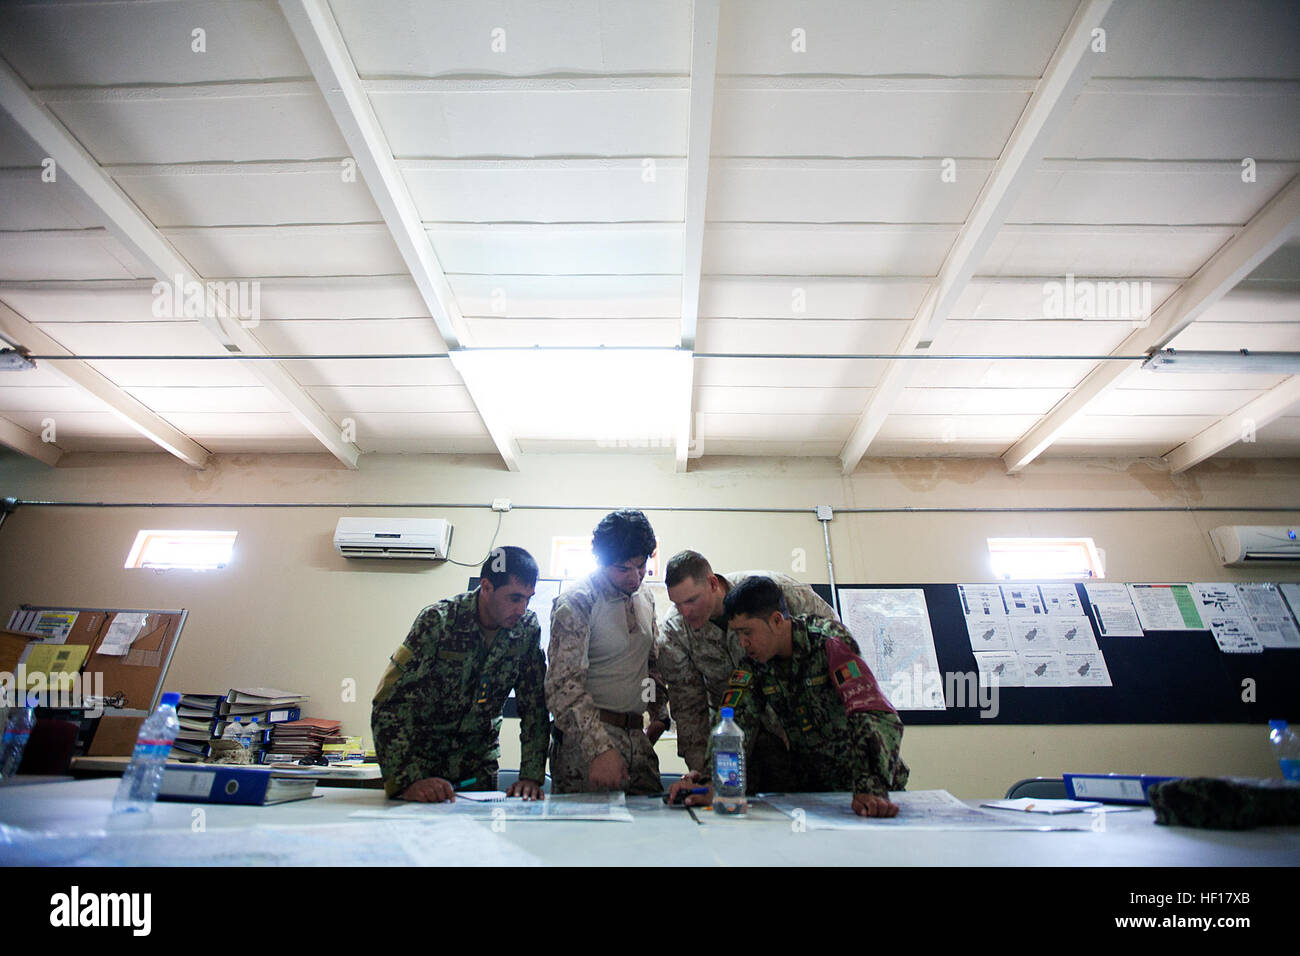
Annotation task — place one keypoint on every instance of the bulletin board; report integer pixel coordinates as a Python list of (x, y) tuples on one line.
[(132, 681), (1162, 677)]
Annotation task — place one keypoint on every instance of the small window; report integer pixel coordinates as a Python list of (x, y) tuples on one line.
[(192, 550), (1044, 559), (571, 558)]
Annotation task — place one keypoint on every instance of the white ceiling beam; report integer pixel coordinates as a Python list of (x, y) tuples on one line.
[(1052, 99), (322, 43), (704, 59), (159, 257), (1270, 228), (1241, 425), (118, 401), (25, 443)]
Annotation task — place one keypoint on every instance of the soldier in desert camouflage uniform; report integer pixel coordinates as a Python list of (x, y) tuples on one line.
[(699, 654), (840, 731), (601, 676), (437, 713)]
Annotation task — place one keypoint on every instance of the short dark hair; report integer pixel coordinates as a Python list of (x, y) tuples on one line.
[(508, 562), (621, 535), (686, 564), (754, 597)]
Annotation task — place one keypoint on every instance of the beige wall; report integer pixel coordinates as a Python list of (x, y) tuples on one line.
[(289, 612)]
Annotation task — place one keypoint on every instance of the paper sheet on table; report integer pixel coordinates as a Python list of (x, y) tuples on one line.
[(1112, 606), (892, 626), (556, 806), (450, 841), (121, 634), (1166, 607), (917, 810), (1042, 805)]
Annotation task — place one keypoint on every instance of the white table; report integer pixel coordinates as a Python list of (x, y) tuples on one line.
[(668, 836)]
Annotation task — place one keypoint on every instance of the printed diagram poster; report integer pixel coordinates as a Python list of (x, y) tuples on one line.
[(1001, 668), (1061, 600), (892, 626), (1274, 625), (1221, 608), (1112, 607), (1023, 600), (1166, 607), (1046, 641)]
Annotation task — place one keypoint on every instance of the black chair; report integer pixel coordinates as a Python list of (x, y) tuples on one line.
[(1044, 788)]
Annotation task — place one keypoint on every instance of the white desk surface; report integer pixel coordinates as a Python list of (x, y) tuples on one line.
[(669, 836)]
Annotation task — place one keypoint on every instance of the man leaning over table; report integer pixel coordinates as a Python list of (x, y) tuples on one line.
[(436, 715), (840, 731), (602, 675)]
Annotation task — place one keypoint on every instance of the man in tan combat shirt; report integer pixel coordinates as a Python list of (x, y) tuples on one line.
[(601, 677), (699, 654)]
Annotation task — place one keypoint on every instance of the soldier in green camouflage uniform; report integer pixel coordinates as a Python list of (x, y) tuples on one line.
[(436, 715), (839, 730), (699, 653), (601, 677)]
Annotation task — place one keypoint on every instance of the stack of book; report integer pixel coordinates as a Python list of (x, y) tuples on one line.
[(300, 738)]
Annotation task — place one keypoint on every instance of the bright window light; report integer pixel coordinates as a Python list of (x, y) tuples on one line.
[(192, 550), (571, 558), (1044, 559)]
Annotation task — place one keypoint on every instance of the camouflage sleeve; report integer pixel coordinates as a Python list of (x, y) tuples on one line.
[(833, 628), (395, 712), (802, 599), (658, 704), (690, 698), (876, 736), (530, 696), (576, 714)]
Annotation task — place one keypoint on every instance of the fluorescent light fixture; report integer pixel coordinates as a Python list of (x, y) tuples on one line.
[(189, 550), (1240, 362), (618, 398), (1044, 559)]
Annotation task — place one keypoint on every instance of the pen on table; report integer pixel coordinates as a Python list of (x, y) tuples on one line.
[(466, 783)]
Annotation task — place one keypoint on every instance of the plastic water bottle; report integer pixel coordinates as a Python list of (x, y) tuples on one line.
[(729, 765), (143, 777), (18, 730), (232, 730), (1286, 747), (251, 740)]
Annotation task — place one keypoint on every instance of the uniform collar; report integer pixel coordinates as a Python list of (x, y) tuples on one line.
[(603, 589)]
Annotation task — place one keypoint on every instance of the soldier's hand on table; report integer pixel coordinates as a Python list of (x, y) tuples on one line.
[(528, 789), (655, 730), (608, 771), (430, 790), (867, 805), (690, 782)]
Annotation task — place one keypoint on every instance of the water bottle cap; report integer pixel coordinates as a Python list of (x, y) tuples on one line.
[(171, 700), (1277, 725), (33, 700), (728, 713)]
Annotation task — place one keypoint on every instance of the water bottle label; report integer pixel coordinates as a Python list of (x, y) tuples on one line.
[(151, 748), (726, 765), (12, 735)]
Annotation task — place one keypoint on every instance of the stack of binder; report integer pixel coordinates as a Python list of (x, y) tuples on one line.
[(268, 705), (198, 717), (301, 738)]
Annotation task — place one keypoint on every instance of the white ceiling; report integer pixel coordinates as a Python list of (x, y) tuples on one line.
[(551, 178)]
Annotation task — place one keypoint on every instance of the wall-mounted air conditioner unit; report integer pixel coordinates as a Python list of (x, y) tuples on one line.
[(427, 539), (1245, 545)]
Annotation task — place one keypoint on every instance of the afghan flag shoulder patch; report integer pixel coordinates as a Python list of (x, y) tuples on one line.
[(740, 678)]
